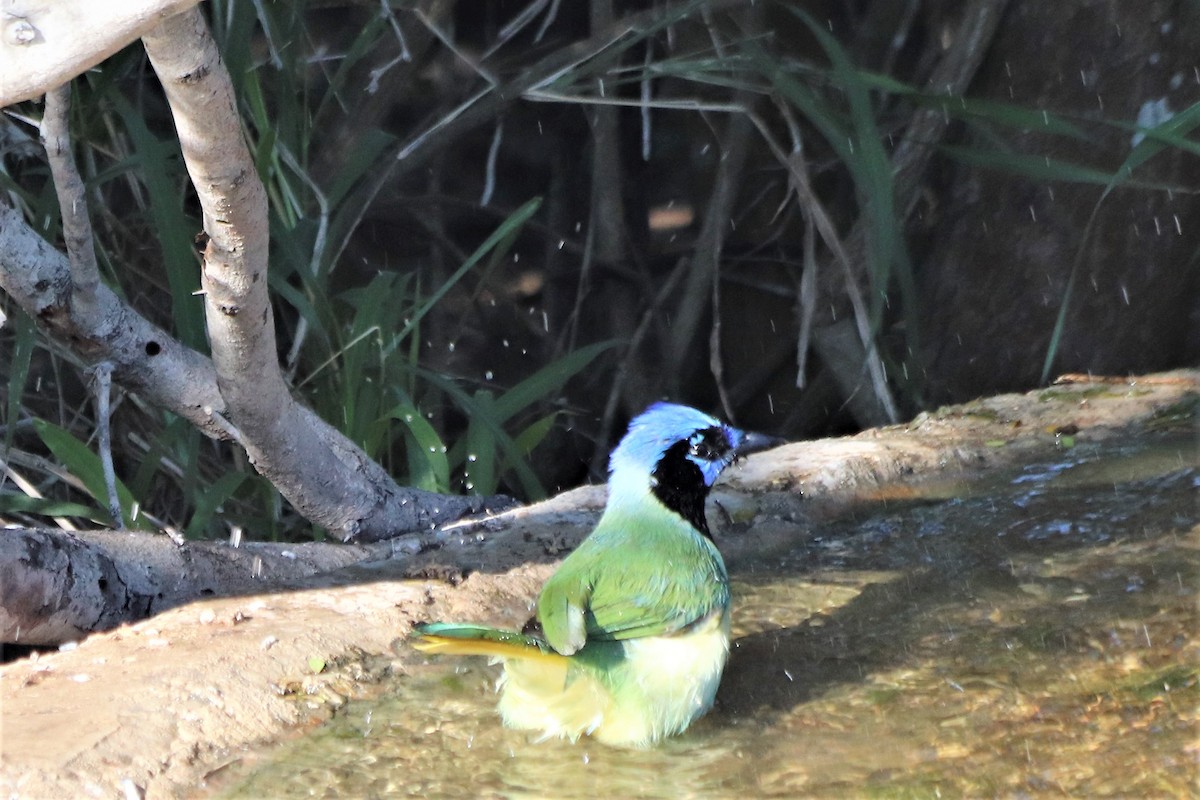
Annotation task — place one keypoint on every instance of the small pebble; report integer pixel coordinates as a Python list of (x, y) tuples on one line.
[(131, 790)]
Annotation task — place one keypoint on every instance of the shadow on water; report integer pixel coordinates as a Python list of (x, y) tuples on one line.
[(1031, 636)]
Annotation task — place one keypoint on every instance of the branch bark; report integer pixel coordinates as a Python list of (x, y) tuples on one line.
[(58, 587), (44, 45), (145, 358)]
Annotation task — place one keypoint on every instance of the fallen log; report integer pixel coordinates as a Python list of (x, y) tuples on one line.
[(58, 586)]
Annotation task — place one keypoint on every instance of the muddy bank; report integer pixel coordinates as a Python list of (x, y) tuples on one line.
[(155, 706)]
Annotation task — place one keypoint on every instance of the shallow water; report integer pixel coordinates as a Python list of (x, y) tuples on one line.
[(1031, 635)]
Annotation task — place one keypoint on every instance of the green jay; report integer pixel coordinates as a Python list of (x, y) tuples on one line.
[(632, 631)]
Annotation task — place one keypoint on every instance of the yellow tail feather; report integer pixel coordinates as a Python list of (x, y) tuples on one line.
[(432, 643)]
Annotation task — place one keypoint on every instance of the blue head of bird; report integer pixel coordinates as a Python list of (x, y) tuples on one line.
[(676, 454)]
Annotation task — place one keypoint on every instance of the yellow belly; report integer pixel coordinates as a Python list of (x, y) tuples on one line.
[(660, 687)]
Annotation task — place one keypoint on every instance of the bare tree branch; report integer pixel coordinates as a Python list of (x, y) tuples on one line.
[(329, 480), (145, 358), (696, 293), (234, 203), (85, 274), (608, 207), (46, 44), (72, 201)]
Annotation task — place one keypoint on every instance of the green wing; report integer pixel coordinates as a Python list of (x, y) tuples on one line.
[(626, 584)]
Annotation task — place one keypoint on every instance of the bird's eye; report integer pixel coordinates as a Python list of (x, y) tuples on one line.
[(706, 446)]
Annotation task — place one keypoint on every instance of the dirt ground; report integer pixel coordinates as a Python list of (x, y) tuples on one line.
[(150, 709)]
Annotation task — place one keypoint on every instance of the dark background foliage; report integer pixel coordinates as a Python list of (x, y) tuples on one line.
[(685, 156)]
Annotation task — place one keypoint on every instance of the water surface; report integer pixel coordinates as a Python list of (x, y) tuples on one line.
[(1032, 635)]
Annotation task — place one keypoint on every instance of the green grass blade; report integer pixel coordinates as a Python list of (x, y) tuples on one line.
[(175, 229), (513, 458), (81, 462), (371, 146), (1179, 125), (508, 227), (479, 468), (209, 502), (428, 467), (13, 503), (547, 380), (534, 434), (1041, 168)]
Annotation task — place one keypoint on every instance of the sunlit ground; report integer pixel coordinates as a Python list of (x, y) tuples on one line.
[(1034, 636)]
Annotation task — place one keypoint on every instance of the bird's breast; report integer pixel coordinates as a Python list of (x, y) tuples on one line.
[(667, 682)]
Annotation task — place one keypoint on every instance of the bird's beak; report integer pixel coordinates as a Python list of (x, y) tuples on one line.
[(756, 443)]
